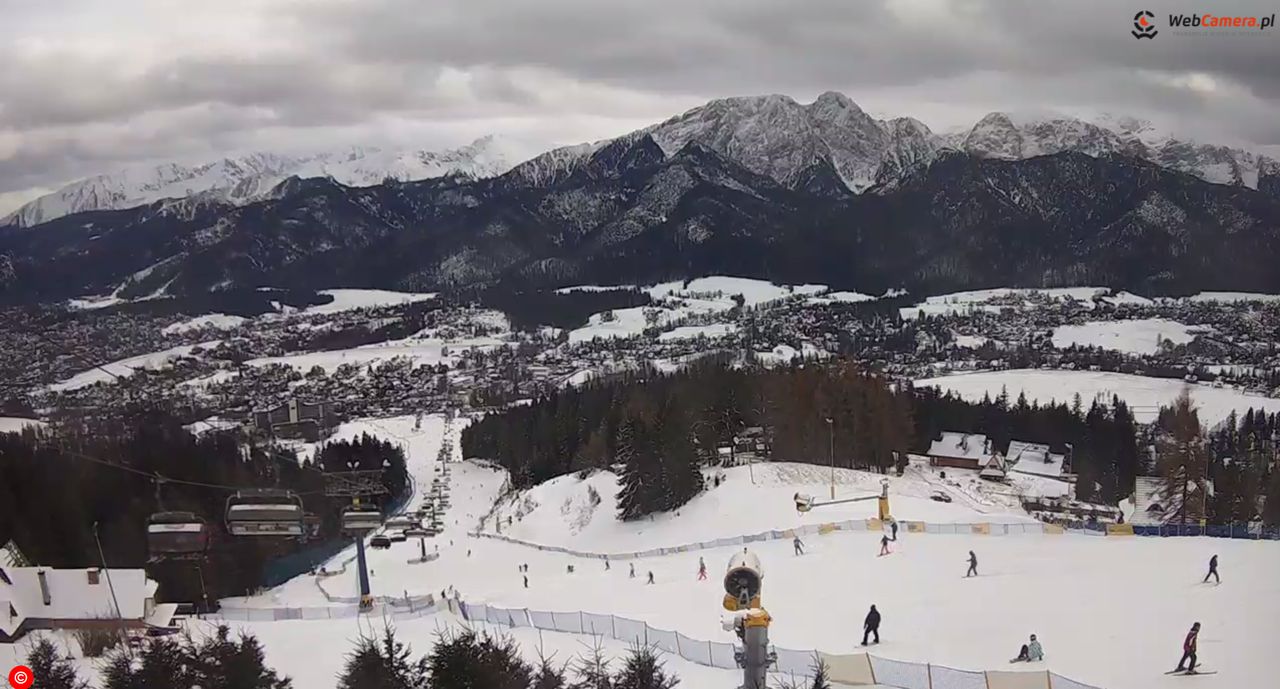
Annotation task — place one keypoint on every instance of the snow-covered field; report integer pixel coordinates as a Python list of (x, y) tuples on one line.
[(126, 367), (1138, 336), (689, 332), (14, 424), (1230, 297), (1145, 395), (976, 300), (712, 294), (217, 321), (420, 350), (348, 299)]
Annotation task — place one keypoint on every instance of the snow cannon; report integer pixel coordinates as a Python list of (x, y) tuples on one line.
[(743, 580), (884, 500)]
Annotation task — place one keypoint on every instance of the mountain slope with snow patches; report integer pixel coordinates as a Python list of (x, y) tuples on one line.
[(247, 178)]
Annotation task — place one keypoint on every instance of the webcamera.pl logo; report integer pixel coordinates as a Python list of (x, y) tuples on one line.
[(1144, 25)]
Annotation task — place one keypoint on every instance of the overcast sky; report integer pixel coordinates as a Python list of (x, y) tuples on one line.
[(89, 86)]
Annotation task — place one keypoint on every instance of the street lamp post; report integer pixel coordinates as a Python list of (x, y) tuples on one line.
[(832, 430)]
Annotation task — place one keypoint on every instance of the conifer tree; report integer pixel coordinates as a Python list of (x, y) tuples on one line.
[(642, 669), (53, 670)]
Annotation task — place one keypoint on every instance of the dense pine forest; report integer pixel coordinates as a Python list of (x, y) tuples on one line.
[(658, 429), (57, 487)]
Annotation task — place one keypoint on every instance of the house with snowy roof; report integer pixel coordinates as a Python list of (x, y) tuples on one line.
[(1155, 505), (34, 598), (961, 450), (1035, 459)]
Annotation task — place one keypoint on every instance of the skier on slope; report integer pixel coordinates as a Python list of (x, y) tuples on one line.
[(797, 545), (1213, 571), (1189, 650), (1030, 653), (871, 625), (650, 577), (526, 581), (973, 565), (884, 545), (702, 570), (633, 570)]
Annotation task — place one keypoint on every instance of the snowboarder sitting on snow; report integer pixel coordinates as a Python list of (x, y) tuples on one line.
[(884, 545), (973, 565), (871, 625), (1189, 649), (1213, 571), (1031, 652), (797, 545)]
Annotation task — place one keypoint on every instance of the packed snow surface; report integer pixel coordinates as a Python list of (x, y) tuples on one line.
[(564, 507), (216, 321), (1144, 395), (1109, 611), (1141, 336)]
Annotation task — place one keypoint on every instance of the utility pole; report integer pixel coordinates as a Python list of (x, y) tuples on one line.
[(831, 428), (124, 638)]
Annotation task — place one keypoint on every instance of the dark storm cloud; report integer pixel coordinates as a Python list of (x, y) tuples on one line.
[(313, 68)]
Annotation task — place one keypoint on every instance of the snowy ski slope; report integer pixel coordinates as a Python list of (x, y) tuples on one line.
[(1110, 611)]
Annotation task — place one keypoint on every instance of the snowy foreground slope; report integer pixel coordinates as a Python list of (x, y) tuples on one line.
[(1110, 611)]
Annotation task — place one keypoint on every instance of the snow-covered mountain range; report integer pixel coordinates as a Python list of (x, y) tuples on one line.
[(772, 135), (251, 177), (780, 138)]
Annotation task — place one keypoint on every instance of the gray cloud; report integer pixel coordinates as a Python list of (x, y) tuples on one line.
[(88, 91)]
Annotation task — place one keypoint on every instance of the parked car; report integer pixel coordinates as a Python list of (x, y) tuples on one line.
[(939, 496)]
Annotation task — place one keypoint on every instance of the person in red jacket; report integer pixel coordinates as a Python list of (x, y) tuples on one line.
[(1189, 649)]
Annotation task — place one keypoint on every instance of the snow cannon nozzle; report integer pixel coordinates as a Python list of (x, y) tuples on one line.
[(744, 576)]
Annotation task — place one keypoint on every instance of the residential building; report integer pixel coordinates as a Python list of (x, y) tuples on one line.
[(34, 598)]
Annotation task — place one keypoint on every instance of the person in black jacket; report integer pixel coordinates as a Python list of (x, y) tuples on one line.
[(871, 625), (973, 565), (1213, 571)]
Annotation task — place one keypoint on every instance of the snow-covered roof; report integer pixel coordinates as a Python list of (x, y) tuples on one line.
[(71, 595), (995, 467), (961, 446), (1034, 458)]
